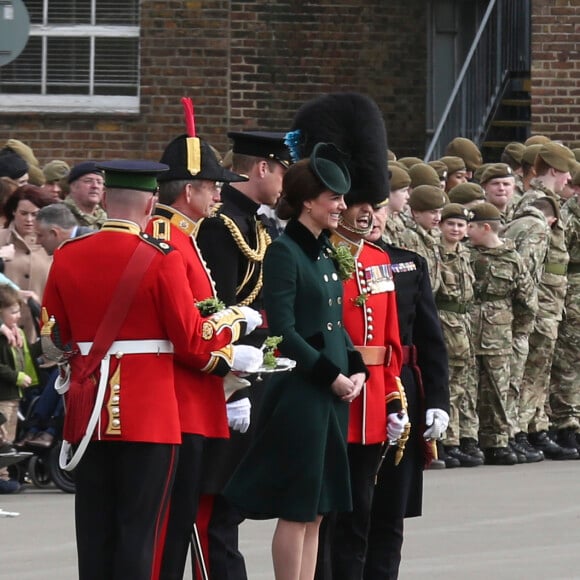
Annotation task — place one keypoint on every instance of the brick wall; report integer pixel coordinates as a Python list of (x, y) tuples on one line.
[(249, 64), (556, 69)]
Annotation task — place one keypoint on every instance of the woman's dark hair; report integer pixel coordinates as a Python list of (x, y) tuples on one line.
[(299, 185), (31, 193)]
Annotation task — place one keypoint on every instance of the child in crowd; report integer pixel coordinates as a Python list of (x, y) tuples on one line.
[(17, 372)]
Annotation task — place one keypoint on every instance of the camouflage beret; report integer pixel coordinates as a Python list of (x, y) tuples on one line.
[(454, 211), (454, 164), (423, 174), (466, 193), (427, 197), (467, 150), (515, 151), (531, 153), (537, 140), (484, 212), (408, 162), (440, 168), (399, 177), (56, 170), (576, 154), (495, 171), (557, 156)]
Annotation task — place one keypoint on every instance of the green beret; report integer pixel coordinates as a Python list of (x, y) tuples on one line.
[(454, 211), (454, 164), (479, 171), (399, 177), (576, 177), (467, 150), (440, 168), (423, 174), (398, 164), (408, 162), (391, 156), (576, 154), (557, 156), (35, 176), (23, 150), (466, 193), (495, 171), (484, 212), (427, 197), (515, 151), (537, 140), (56, 170), (531, 153)]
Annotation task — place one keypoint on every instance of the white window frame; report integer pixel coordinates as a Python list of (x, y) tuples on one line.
[(87, 104)]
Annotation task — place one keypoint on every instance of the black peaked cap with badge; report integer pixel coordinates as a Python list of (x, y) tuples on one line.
[(354, 124), (138, 175), (265, 144), (176, 156)]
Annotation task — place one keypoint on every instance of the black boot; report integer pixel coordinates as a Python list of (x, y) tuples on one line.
[(499, 456), (551, 450), (449, 461), (465, 460), (567, 438), (523, 446), (469, 445), (519, 452)]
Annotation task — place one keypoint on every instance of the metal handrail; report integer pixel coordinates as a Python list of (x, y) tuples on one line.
[(494, 53)]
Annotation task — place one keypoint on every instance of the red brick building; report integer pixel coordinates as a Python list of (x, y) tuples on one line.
[(112, 73)]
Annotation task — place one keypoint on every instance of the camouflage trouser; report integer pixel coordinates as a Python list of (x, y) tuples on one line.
[(468, 416), (460, 382), (536, 379), (565, 375), (517, 365), (494, 378)]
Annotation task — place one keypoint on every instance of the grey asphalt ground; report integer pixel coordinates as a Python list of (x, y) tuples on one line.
[(498, 523)]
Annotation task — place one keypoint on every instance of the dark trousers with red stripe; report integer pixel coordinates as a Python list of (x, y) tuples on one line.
[(122, 496)]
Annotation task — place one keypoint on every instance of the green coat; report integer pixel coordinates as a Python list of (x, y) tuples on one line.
[(297, 465)]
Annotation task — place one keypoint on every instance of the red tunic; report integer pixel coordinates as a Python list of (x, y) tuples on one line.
[(200, 395), (82, 280), (372, 323)]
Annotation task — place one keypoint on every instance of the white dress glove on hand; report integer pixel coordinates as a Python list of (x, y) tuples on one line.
[(437, 421), (247, 359), (396, 425), (239, 414), (253, 318)]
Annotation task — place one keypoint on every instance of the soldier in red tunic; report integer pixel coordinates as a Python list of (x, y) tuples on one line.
[(124, 479), (187, 194)]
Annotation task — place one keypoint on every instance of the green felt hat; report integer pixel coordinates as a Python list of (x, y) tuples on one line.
[(328, 164)]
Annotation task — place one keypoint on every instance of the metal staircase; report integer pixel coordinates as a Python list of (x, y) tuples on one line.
[(490, 101)]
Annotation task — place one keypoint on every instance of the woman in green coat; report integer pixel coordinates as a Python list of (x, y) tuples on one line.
[(297, 467)]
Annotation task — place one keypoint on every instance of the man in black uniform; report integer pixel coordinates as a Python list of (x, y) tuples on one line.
[(233, 243), (399, 489)]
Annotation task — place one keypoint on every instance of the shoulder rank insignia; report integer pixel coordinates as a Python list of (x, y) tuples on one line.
[(159, 244)]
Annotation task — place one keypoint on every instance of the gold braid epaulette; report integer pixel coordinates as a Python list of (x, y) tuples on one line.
[(257, 255)]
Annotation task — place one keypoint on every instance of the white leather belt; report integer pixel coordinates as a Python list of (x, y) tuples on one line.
[(121, 347)]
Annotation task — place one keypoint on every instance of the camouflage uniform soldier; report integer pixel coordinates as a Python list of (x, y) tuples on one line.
[(453, 298), (530, 232), (396, 204), (565, 375), (426, 202), (505, 303), (552, 166)]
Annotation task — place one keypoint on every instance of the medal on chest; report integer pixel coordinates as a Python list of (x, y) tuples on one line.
[(379, 279)]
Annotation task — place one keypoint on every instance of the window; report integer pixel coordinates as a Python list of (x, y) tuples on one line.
[(81, 56)]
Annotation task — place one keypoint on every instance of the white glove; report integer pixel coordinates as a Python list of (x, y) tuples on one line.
[(437, 421), (233, 383), (396, 425), (253, 318), (247, 359), (239, 414)]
